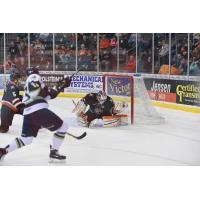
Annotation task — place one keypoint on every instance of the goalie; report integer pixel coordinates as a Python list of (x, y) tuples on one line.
[(100, 106)]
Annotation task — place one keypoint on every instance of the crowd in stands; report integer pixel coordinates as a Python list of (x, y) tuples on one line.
[(17, 52), (1, 53), (161, 51), (194, 54), (115, 50), (127, 52), (41, 50), (108, 49), (179, 54), (87, 51), (107, 52), (65, 51), (144, 49)]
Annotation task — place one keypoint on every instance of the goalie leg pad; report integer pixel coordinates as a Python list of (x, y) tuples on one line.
[(79, 107), (120, 107), (82, 121), (116, 120)]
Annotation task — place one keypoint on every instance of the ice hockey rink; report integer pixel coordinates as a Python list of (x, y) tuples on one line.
[(176, 142)]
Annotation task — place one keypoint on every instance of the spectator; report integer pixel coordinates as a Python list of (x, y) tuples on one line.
[(13, 69), (113, 42), (195, 67), (164, 53), (8, 64), (104, 42), (93, 61), (145, 64), (131, 65), (93, 41), (123, 41), (105, 61), (13, 51), (181, 64), (82, 51), (64, 58), (22, 53)]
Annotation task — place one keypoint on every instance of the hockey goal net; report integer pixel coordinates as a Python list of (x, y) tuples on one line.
[(131, 89)]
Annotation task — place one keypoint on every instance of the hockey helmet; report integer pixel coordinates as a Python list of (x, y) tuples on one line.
[(32, 70), (101, 96), (15, 76)]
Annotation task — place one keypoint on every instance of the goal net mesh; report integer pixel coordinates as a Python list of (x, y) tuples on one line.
[(131, 89)]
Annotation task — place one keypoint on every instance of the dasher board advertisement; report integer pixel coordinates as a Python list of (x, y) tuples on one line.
[(174, 91)]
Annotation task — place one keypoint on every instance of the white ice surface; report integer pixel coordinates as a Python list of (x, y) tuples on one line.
[(177, 142)]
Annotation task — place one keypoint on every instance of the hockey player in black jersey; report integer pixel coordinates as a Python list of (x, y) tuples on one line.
[(37, 115), (11, 102), (99, 106)]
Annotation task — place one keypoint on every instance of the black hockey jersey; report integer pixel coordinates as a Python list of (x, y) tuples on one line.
[(106, 107), (11, 94)]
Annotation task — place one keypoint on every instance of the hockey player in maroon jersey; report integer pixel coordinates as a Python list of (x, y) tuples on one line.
[(11, 102)]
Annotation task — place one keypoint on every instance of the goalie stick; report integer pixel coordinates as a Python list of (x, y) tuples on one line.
[(74, 102), (78, 137)]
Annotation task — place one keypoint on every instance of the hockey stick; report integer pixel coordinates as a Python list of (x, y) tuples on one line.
[(77, 137), (75, 73), (74, 102)]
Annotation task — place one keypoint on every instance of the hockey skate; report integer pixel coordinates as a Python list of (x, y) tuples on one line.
[(55, 157), (3, 152)]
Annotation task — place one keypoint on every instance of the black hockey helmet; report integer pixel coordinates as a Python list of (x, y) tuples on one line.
[(15, 76), (32, 70)]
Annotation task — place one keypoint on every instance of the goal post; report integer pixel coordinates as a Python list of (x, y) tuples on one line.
[(132, 90)]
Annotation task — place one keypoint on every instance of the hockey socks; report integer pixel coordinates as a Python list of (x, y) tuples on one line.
[(58, 140), (16, 144), (19, 143), (56, 143)]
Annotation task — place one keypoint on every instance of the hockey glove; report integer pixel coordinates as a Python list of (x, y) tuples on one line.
[(20, 109), (65, 82)]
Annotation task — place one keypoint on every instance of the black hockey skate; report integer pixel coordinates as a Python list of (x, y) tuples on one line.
[(55, 157), (3, 152)]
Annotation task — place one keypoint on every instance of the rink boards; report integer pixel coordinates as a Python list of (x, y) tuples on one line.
[(186, 108)]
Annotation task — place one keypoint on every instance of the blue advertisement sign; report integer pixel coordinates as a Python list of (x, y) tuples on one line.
[(119, 86)]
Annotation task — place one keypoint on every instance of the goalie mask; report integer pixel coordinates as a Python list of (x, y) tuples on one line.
[(101, 96)]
